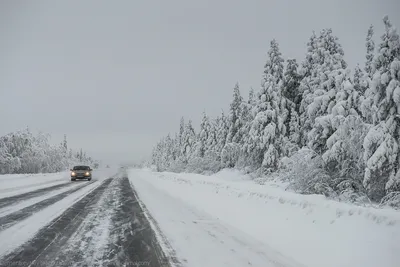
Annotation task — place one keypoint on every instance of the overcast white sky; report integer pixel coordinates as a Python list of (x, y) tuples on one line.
[(115, 76)]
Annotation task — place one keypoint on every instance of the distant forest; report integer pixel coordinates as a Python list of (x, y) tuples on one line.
[(23, 152)]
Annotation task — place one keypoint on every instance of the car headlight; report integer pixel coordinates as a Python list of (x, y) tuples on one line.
[(73, 173), (87, 173)]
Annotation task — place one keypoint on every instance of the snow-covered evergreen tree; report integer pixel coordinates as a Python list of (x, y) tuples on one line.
[(345, 102), (222, 128), (188, 142), (294, 131), (267, 128), (252, 98), (230, 152), (382, 105), (291, 92), (324, 61), (157, 156), (318, 98), (370, 45), (346, 130), (181, 130), (358, 80), (292, 82), (247, 114), (176, 150), (204, 135), (235, 117), (362, 82), (169, 147)]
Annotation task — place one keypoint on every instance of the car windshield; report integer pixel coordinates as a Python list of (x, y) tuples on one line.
[(81, 168)]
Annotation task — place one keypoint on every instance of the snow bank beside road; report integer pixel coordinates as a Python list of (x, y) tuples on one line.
[(311, 230)]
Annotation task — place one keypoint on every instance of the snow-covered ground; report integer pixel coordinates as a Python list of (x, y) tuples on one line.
[(228, 220)]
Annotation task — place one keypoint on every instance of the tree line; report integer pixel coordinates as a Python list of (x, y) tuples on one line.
[(325, 128), (24, 152)]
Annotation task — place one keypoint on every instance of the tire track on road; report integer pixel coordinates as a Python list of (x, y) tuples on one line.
[(134, 242), (4, 202), (170, 253), (56, 232), (17, 216), (89, 241)]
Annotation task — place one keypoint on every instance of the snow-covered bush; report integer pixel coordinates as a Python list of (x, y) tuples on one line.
[(344, 158), (392, 200), (230, 155), (177, 166), (351, 190), (307, 173), (206, 165)]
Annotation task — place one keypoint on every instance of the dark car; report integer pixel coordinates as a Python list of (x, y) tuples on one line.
[(81, 172)]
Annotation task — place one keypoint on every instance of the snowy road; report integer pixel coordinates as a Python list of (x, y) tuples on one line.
[(46, 222), (142, 218)]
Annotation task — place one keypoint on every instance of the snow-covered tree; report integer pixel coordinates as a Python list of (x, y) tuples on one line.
[(162, 156), (157, 156), (358, 82), (235, 132), (324, 61), (252, 97), (370, 45), (292, 82), (294, 132), (342, 100), (204, 135), (188, 142), (211, 141), (306, 72), (247, 113), (23, 152), (291, 92), (235, 117), (248, 110), (247, 116), (327, 65), (344, 157), (181, 130), (176, 150), (363, 79), (382, 106), (222, 128), (267, 128)]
